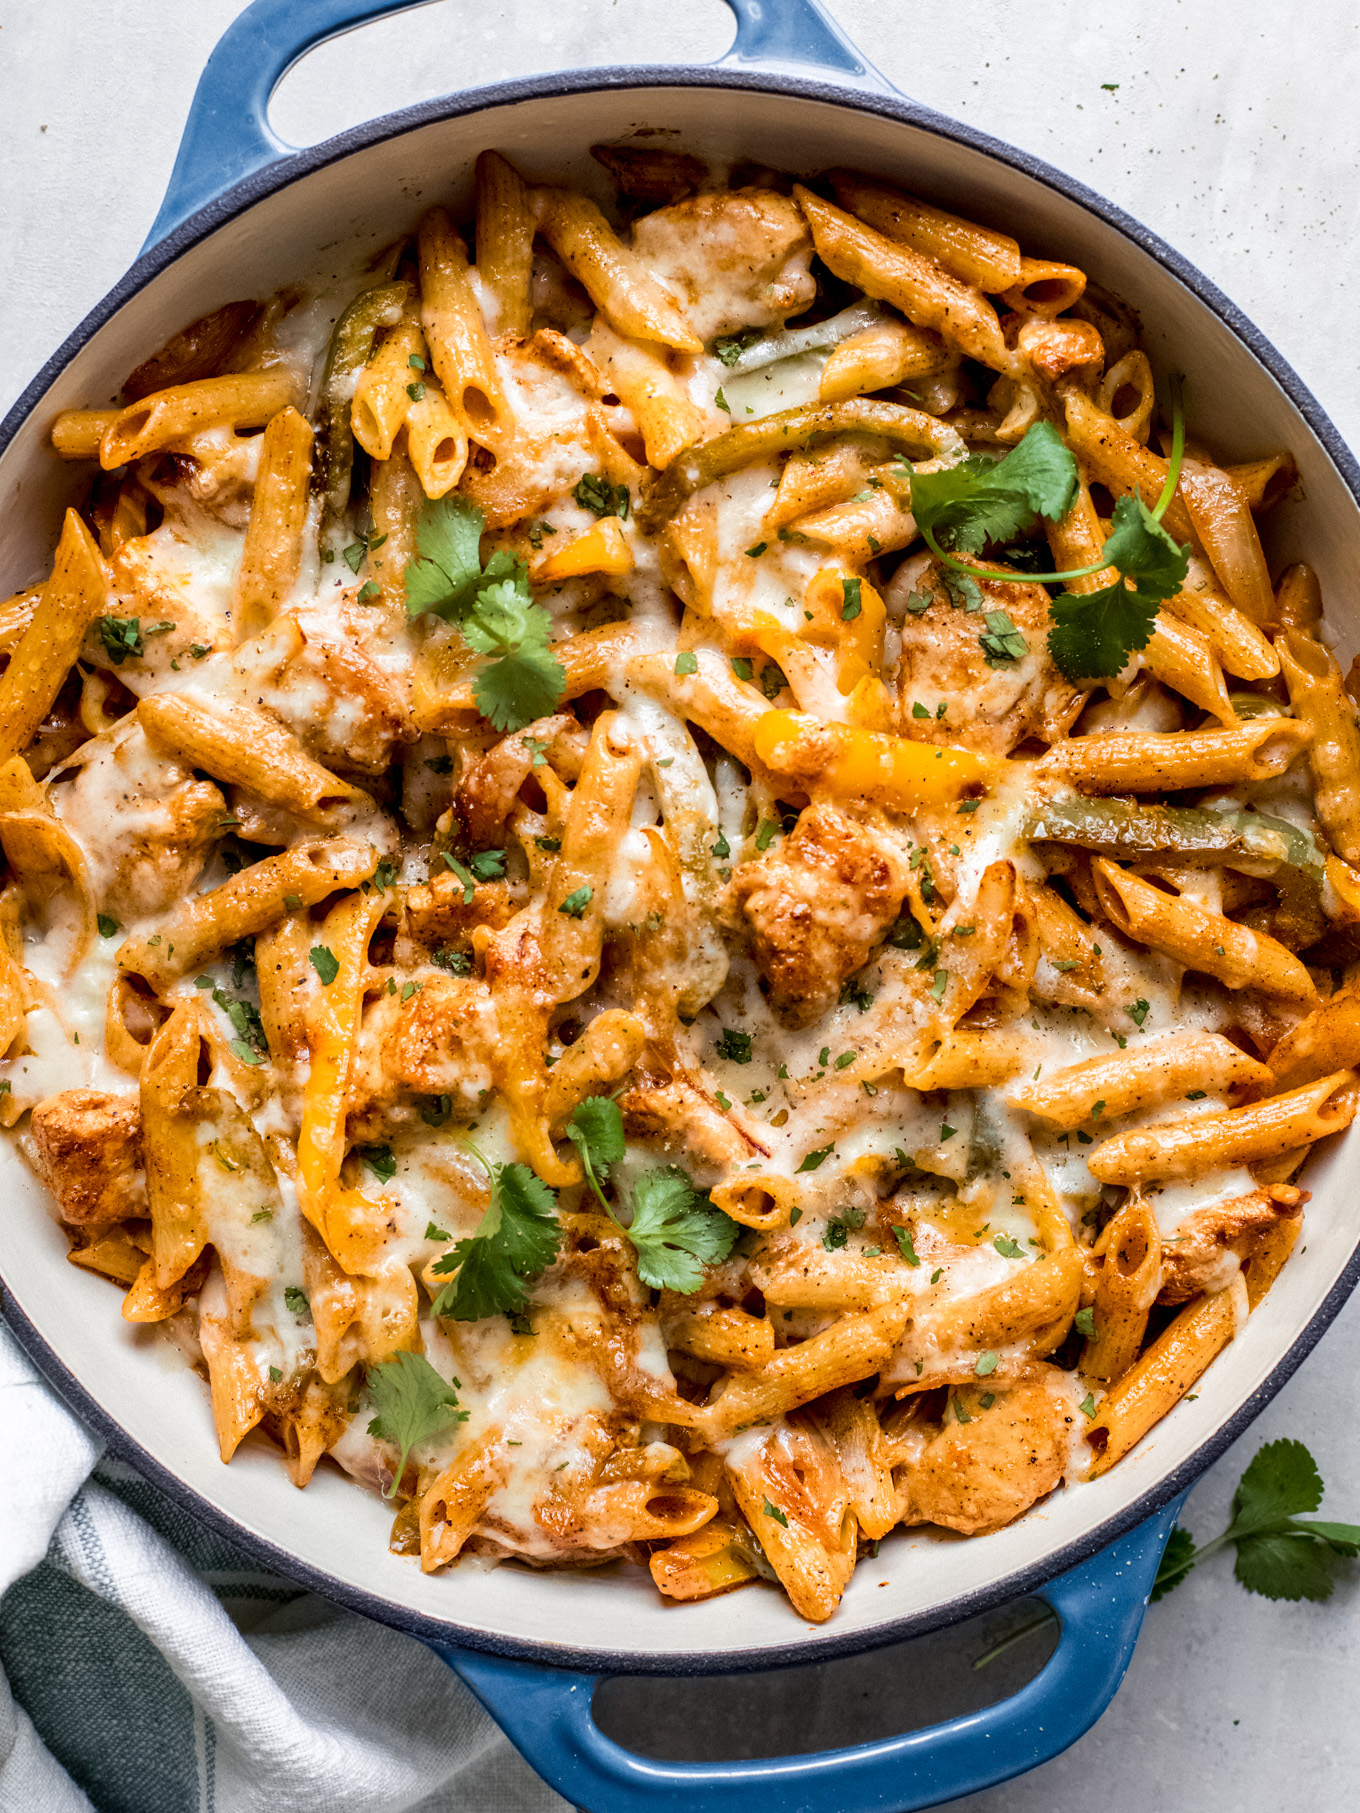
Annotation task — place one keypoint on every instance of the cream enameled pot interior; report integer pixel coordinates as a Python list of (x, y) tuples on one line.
[(329, 221)]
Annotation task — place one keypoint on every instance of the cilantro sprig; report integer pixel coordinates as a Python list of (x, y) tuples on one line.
[(985, 500), (492, 604), (1280, 1554), (675, 1230), (413, 1403), (516, 1240), (982, 500)]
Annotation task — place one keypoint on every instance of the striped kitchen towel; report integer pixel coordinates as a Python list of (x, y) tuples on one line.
[(149, 1667)]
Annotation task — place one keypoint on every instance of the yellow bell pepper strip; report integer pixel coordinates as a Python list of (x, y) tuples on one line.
[(868, 764)]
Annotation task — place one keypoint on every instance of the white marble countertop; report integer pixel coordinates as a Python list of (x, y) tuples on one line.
[(1233, 131)]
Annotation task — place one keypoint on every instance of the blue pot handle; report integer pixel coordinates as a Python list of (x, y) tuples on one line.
[(546, 1714), (227, 135)]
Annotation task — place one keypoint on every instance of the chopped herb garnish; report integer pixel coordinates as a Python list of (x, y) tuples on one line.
[(906, 1246), (597, 495), (814, 1159), (413, 1403), (325, 963)]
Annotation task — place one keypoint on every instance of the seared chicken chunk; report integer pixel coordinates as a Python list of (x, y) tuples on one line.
[(994, 693), (981, 1474), (89, 1147), (437, 1041), (145, 823), (736, 259), (818, 905), (1208, 1244)]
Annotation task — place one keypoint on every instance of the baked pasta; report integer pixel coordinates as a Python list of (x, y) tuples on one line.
[(683, 892)]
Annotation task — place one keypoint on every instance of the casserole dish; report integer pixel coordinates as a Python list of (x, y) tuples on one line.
[(349, 192)]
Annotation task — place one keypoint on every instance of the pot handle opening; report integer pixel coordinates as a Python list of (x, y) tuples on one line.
[(546, 1714), (227, 135)]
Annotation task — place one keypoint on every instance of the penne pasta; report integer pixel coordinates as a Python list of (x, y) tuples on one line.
[(505, 240), (72, 597), (1239, 1136), (1151, 762), (459, 346), (273, 550), (246, 904), (927, 294), (1198, 938), (243, 400), (1163, 1374), (1319, 701), (1130, 1081), (630, 968), (629, 298), (976, 254), (1126, 1288)]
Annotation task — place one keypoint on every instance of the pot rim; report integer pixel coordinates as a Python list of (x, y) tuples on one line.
[(236, 201)]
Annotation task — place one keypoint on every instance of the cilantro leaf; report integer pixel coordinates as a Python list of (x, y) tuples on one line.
[(121, 636), (325, 962), (597, 495), (982, 499), (815, 1158), (1279, 1554), (381, 1161), (1288, 1566), (413, 1402), (596, 1131), (1280, 1482), (906, 1246), (676, 1231), (493, 606), (448, 569), (728, 348), (246, 1023), (518, 1237), (1094, 633), (488, 865), (524, 681), (1002, 644)]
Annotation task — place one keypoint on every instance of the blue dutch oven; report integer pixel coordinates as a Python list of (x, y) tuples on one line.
[(245, 215)]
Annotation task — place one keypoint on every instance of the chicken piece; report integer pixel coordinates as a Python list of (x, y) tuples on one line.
[(1208, 1245), (647, 173), (438, 916), (818, 905), (438, 1041), (89, 1151), (735, 259), (145, 823), (345, 708), (981, 1474), (944, 662), (199, 350), (671, 1106)]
